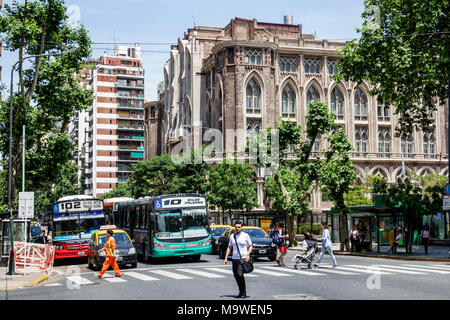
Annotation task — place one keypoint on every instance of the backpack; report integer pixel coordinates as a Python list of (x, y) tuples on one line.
[(277, 239)]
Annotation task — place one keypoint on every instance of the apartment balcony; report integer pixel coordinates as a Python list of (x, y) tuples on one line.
[(129, 85), (130, 138), (129, 127)]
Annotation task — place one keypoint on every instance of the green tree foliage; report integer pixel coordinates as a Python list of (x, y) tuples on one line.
[(376, 184), (404, 52), (122, 190), (356, 196), (231, 187), (160, 175), (432, 186), (48, 95)]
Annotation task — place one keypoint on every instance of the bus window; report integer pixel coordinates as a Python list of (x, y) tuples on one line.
[(137, 217), (144, 210), (127, 218), (195, 222), (141, 217), (168, 224)]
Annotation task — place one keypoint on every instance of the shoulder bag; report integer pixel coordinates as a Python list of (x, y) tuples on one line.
[(247, 267)]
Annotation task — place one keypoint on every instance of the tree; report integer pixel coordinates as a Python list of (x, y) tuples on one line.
[(337, 174), (122, 190), (48, 95), (160, 175), (376, 184), (403, 52), (231, 187)]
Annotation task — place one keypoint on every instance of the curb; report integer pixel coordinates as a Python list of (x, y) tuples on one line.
[(391, 257), (30, 284)]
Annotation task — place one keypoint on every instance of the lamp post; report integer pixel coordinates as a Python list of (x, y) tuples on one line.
[(11, 269)]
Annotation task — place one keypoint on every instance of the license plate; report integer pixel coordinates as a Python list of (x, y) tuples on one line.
[(119, 258), (262, 251), (81, 253)]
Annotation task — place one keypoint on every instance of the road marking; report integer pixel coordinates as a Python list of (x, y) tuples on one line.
[(228, 271), (201, 273), (327, 269), (304, 272), (375, 267), (443, 266), (53, 285), (369, 269), (421, 269), (271, 273), (140, 276), (427, 268), (79, 280), (170, 274)]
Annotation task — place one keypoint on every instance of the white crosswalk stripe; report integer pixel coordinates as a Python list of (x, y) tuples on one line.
[(271, 273), (113, 279), (327, 269), (201, 273), (427, 268), (139, 276), (228, 271), (420, 269), (78, 280), (169, 274), (303, 272), (389, 269), (367, 269), (443, 266)]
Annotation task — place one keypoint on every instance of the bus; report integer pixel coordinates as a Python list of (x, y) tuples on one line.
[(74, 219), (167, 226), (111, 208)]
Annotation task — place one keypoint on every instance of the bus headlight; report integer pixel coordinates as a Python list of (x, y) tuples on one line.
[(206, 243), (59, 247), (158, 245), (132, 251)]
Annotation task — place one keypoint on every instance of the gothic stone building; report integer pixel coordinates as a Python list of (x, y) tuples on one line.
[(247, 75)]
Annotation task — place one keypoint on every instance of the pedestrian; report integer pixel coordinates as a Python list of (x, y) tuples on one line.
[(354, 237), (397, 240), (281, 237), (239, 241), (110, 248), (426, 237), (326, 245)]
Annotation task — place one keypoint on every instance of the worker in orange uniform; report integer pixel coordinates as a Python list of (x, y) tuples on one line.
[(110, 248)]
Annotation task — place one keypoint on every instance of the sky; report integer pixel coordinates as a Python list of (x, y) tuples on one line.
[(164, 21)]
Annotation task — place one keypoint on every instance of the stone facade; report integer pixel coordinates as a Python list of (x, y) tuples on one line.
[(247, 75)]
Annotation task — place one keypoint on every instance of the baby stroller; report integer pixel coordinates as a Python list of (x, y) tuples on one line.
[(312, 248)]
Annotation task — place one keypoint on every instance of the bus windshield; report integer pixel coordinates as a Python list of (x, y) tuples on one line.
[(181, 223), (74, 227)]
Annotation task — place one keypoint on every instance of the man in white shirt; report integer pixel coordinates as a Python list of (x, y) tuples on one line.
[(239, 241)]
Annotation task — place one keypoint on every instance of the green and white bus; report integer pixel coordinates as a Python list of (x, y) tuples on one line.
[(168, 225)]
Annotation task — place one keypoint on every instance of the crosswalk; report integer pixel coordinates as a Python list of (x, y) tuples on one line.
[(221, 272)]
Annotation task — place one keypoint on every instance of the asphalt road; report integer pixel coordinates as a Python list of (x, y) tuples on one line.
[(356, 278)]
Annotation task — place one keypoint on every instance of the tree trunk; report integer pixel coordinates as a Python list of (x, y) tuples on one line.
[(343, 228), (291, 230)]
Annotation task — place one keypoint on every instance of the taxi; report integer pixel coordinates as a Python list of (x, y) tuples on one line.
[(125, 251), (216, 232)]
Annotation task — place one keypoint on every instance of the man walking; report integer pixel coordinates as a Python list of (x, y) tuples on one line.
[(110, 248), (326, 245), (239, 241)]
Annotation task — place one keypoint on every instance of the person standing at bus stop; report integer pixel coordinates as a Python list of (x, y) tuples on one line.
[(110, 248)]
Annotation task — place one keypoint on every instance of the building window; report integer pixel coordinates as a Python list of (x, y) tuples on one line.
[(384, 142), (407, 146), (360, 105), (382, 110), (312, 95), (288, 64), (361, 140), (332, 66), (288, 102), (253, 128), (312, 65), (429, 144), (252, 56), (337, 102), (253, 97)]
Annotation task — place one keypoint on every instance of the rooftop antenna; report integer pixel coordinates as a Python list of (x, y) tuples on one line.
[(193, 20)]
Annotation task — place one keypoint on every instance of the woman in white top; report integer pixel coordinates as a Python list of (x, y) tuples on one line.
[(239, 241), (326, 245), (426, 237)]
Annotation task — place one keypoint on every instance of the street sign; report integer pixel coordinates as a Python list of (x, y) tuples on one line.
[(26, 205), (447, 189), (446, 202)]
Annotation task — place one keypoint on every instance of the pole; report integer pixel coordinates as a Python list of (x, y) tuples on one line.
[(446, 216), (23, 182)]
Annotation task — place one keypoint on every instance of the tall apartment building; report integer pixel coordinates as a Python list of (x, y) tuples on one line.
[(247, 75), (115, 130)]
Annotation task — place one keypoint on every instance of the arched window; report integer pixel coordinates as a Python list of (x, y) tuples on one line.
[(382, 110), (312, 95), (407, 146), (337, 102), (360, 140), (253, 97), (360, 105), (429, 144), (384, 142), (288, 102)]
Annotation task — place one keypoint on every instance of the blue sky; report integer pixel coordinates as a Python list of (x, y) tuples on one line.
[(165, 21)]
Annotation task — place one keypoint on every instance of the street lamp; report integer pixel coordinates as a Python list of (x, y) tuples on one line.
[(11, 270)]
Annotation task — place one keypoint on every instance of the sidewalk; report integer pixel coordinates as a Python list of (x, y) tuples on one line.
[(18, 281), (435, 253)]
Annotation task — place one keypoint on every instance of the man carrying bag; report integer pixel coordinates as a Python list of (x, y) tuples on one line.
[(242, 245)]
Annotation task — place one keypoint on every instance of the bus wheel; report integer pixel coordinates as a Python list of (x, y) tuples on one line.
[(145, 254), (196, 257)]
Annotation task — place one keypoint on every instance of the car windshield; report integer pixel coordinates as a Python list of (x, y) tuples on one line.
[(119, 237), (218, 231), (255, 233), (182, 223)]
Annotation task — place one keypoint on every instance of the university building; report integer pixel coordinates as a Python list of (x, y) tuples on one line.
[(245, 76), (112, 136)]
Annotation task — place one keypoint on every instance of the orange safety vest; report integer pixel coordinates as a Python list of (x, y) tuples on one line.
[(110, 247)]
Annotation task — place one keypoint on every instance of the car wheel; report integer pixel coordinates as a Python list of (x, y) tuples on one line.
[(134, 265), (97, 265), (273, 258)]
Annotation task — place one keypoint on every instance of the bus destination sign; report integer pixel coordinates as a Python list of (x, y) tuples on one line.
[(77, 206), (181, 202)]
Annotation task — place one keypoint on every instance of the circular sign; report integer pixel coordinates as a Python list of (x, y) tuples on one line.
[(447, 189)]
